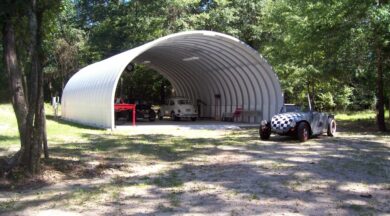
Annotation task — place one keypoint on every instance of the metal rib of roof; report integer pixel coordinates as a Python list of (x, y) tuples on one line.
[(199, 65)]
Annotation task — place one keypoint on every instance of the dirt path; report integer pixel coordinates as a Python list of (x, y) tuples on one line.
[(217, 173)]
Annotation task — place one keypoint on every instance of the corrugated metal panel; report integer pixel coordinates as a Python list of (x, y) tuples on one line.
[(225, 66)]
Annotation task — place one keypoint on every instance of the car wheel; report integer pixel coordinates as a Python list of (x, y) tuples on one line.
[(173, 116), (193, 118), (303, 132), (331, 127), (265, 132), (160, 116), (152, 115)]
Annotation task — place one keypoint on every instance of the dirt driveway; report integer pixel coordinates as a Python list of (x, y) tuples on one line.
[(218, 172)]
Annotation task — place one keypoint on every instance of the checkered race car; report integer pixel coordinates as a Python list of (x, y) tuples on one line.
[(293, 121)]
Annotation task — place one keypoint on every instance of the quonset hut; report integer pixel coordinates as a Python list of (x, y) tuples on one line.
[(215, 68)]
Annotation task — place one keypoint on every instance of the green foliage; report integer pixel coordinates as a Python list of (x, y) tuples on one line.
[(324, 48), (65, 45), (342, 97), (143, 83), (325, 101)]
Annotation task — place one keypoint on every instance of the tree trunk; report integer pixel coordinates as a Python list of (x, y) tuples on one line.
[(29, 110), (380, 105), (45, 145), (15, 78), (36, 104)]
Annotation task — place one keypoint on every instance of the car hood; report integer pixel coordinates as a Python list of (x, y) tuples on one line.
[(295, 116), (282, 121)]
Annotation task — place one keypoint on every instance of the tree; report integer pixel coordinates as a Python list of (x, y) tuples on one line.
[(380, 19), (335, 45), (335, 50), (66, 48), (27, 96)]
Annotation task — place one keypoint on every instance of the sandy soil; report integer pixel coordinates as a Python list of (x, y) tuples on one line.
[(223, 173)]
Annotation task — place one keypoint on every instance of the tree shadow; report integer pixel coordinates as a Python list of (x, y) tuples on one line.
[(281, 170)]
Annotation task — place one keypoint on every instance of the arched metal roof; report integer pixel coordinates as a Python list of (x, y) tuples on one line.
[(199, 65)]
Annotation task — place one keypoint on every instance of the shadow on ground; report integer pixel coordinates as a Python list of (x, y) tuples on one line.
[(234, 174)]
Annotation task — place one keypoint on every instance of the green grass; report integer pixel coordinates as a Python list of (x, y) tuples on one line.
[(57, 130), (60, 132), (173, 161), (361, 210), (171, 180), (84, 195), (359, 122), (174, 199), (360, 115), (8, 128), (8, 205), (69, 140)]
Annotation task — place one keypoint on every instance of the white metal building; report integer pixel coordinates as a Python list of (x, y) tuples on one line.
[(218, 69)]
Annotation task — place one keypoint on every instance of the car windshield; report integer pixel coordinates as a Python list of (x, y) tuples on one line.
[(292, 108), (183, 102)]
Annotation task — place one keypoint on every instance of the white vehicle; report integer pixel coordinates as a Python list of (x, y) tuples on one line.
[(177, 108)]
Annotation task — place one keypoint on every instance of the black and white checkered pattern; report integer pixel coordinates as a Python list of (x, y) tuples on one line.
[(283, 121)]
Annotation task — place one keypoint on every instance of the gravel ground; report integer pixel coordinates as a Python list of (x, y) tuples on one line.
[(209, 172)]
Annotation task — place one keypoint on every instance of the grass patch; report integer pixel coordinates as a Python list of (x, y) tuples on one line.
[(174, 199), (359, 115), (276, 166), (252, 197), (361, 121), (163, 208), (83, 195), (356, 116), (361, 210), (8, 205), (172, 180)]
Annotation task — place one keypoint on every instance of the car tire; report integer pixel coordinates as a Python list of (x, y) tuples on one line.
[(174, 117), (193, 118), (303, 132), (265, 132), (331, 127), (160, 117), (152, 116)]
